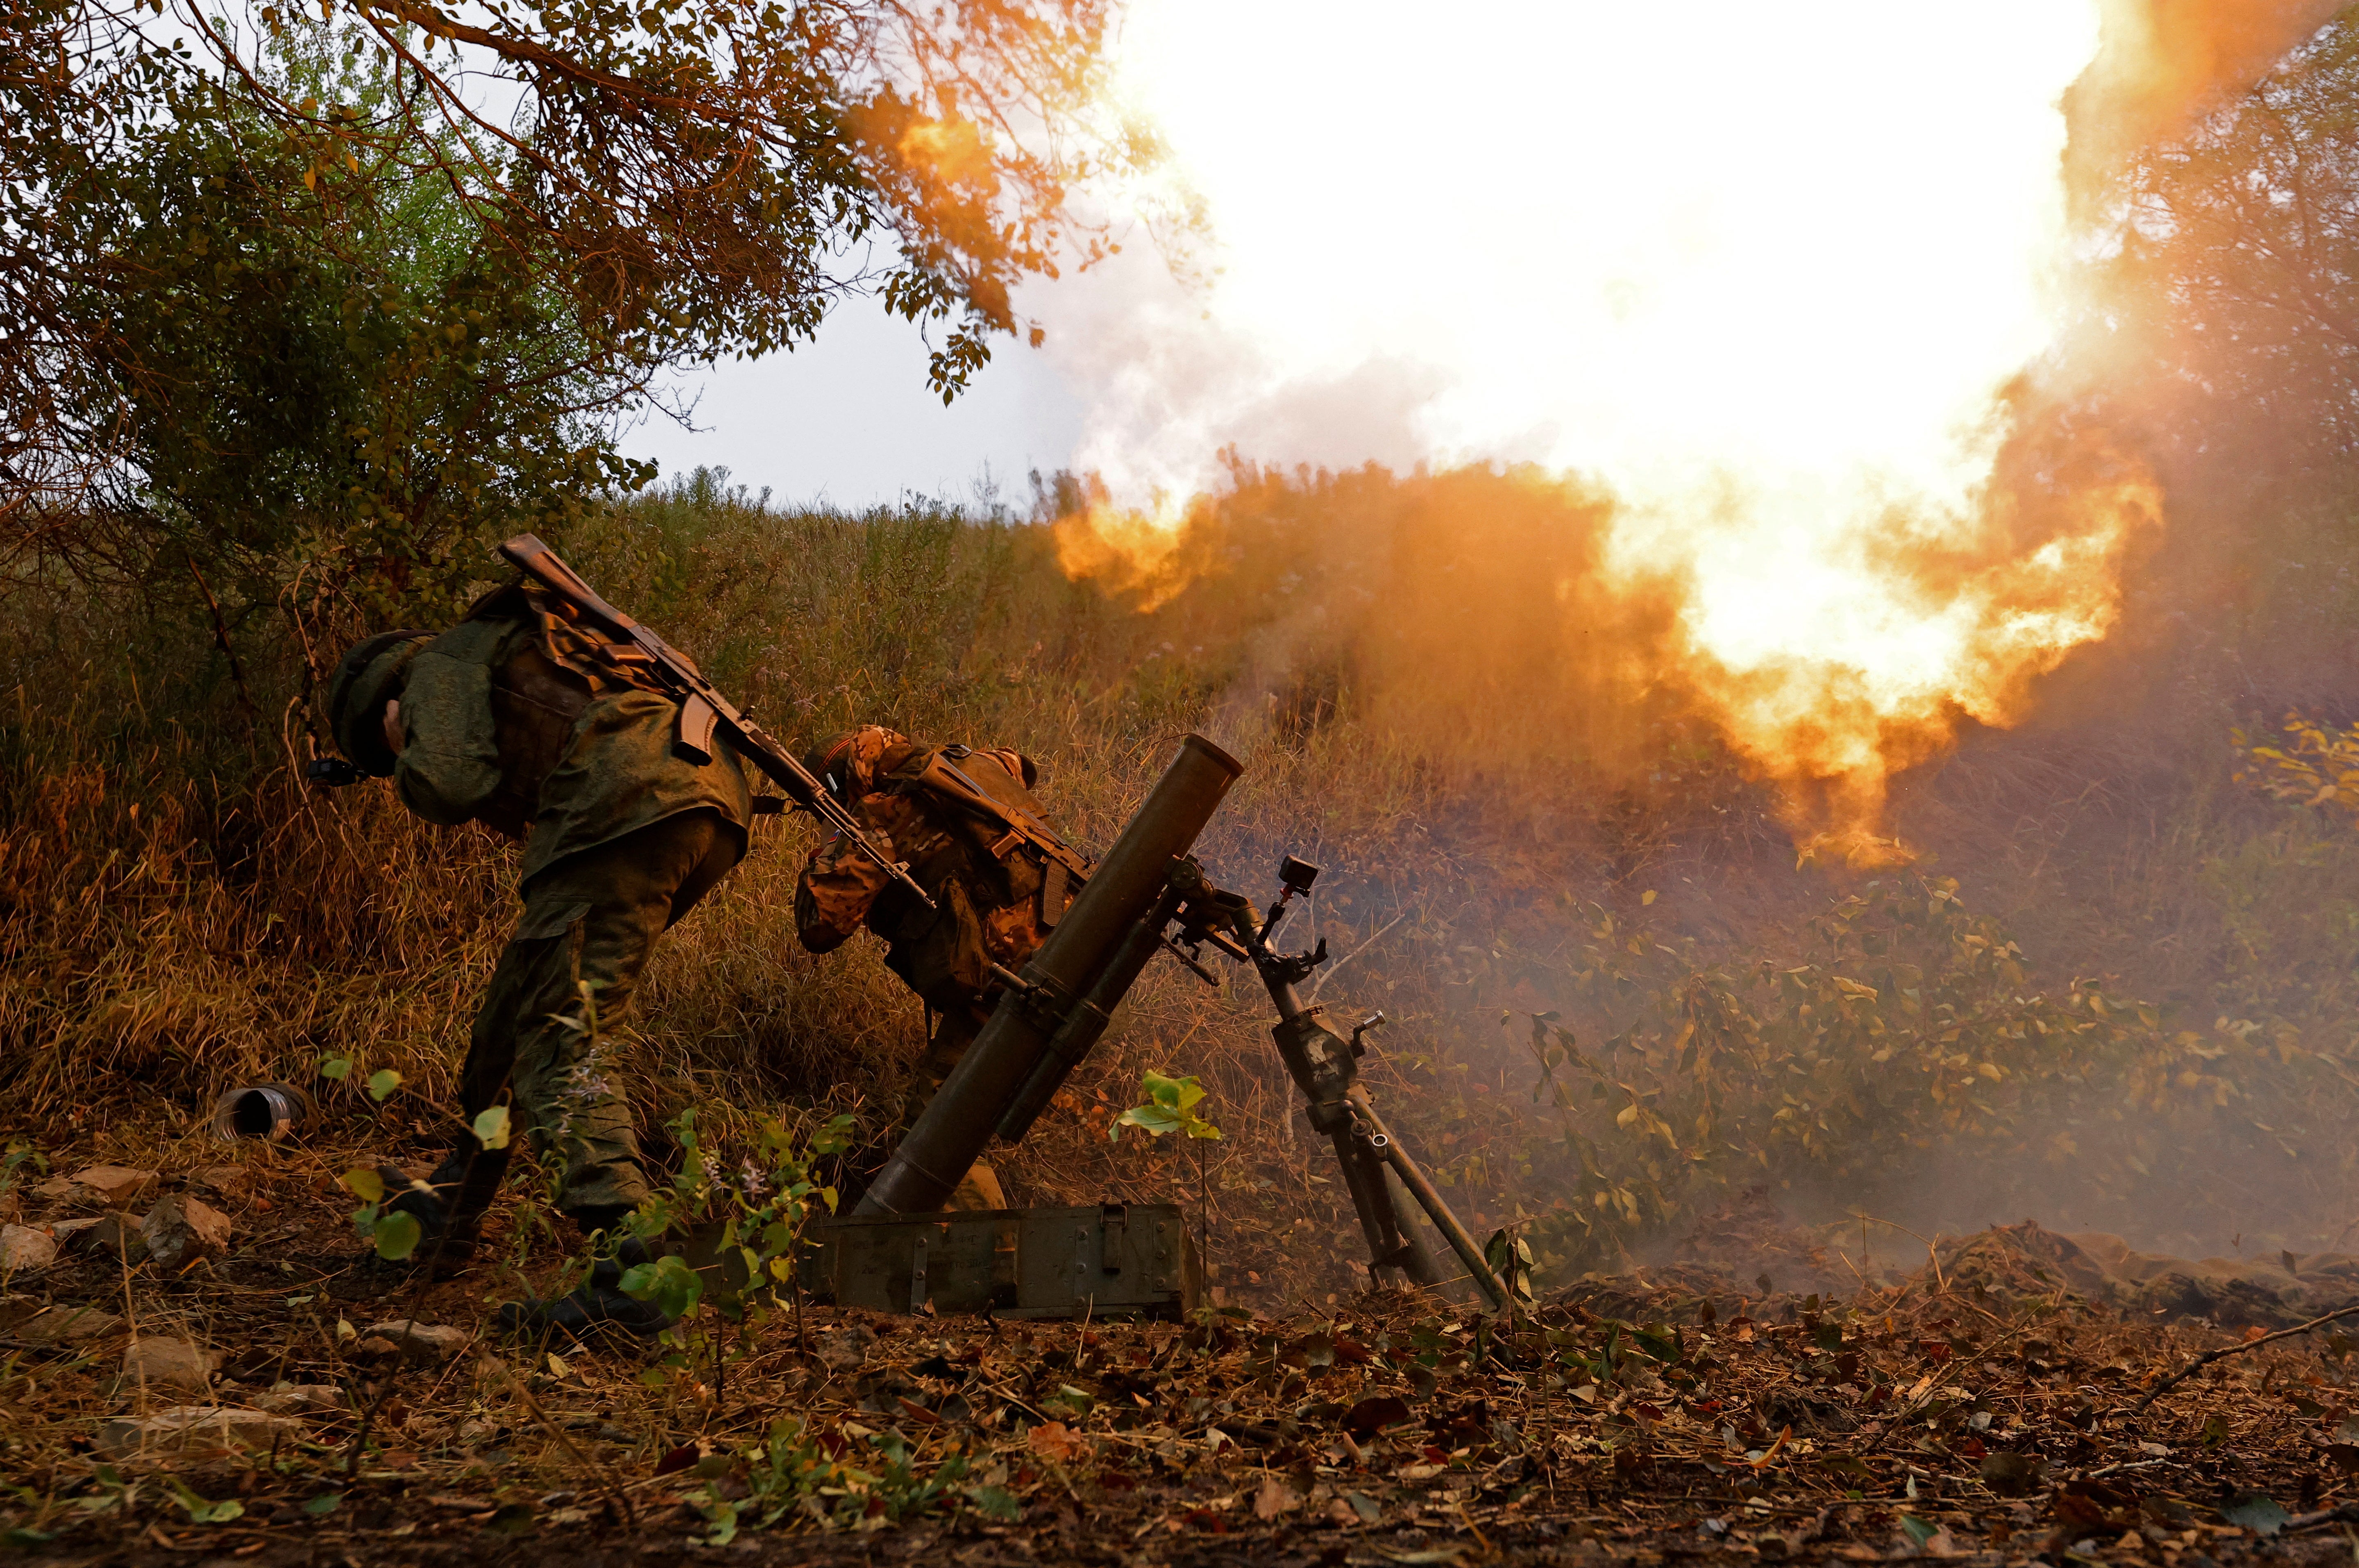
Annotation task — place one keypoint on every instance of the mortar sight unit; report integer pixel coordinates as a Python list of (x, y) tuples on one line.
[(1150, 896)]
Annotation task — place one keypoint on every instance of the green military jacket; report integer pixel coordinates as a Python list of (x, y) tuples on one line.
[(495, 732)]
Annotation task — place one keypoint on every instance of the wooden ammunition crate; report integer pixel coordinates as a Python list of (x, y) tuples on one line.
[(1104, 1260)]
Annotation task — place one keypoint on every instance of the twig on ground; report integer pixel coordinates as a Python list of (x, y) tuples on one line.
[(606, 1482), (1949, 1368), (2209, 1356), (2345, 1513), (1932, 1256)]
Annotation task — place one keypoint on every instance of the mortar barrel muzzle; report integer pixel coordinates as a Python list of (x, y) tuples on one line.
[(1062, 976)]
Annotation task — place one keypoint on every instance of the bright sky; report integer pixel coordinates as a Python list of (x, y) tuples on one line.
[(1800, 243), (848, 420)]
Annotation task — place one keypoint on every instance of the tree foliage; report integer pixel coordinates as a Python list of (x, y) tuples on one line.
[(2241, 247), (311, 304), (2223, 343), (2314, 765), (321, 367)]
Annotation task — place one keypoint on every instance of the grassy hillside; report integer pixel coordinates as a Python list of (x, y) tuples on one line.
[(2113, 991)]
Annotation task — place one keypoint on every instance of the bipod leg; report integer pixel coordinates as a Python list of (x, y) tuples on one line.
[(1423, 1266), (1363, 1176), (1428, 1198)]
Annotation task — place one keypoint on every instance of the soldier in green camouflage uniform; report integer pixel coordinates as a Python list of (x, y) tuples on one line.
[(996, 895), (525, 720)]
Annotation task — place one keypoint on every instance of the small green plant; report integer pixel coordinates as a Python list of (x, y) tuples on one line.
[(380, 1084), (1510, 1258), (745, 1229), (393, 1232), (203, 1511), (750, 1221), (111, 1492), (837, 1481), (17, 1156), (1169, 1108)]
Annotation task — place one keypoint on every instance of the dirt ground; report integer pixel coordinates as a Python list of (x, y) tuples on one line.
[(1991, 1407)]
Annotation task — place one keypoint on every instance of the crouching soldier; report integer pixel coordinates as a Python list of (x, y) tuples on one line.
[(532, 722), (973, 836)]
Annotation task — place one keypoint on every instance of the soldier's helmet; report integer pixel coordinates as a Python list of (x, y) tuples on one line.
[(368, 678), (848, 761)]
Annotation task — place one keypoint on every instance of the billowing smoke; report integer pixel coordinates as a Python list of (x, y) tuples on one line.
[(1786, 285)]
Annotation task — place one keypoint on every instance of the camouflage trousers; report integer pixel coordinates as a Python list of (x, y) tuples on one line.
[(591, 922)]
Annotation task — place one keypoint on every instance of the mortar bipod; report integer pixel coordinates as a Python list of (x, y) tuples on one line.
[(1378, 1170)]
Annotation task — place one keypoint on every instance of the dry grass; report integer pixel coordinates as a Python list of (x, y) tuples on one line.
[(1434, 702)]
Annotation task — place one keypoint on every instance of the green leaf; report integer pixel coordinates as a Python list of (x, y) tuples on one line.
[(202, 1511), (1169, 1108), (492, 1128), (1169, 1093), (668, 1283), (722, 1515), (325, 1503), (381, 1082), (515, 1518), (995, 1502), (336, 1067), (396, 1236), (363, 1183), (2258, 1512)]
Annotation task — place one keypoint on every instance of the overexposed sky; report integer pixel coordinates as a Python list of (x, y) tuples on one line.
[(848, 420), (1800, 246)]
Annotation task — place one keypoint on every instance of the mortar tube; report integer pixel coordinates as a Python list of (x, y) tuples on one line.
[(1087, 1023), (957, 1122)]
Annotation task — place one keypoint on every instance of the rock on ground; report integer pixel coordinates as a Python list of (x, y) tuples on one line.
[(197, 1427), (115, 1235), (23, 1249), (172, 1362), (423, 1344), (297, 1399), (847, 1347), (180, 1230)]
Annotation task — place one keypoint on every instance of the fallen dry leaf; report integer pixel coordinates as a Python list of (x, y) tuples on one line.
[(1274, 1498), (1056, 1441)]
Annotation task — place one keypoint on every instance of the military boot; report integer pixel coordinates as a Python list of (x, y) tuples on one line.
[(601, 1303), (450, 1217), (584, 1312), (629, 1252)]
